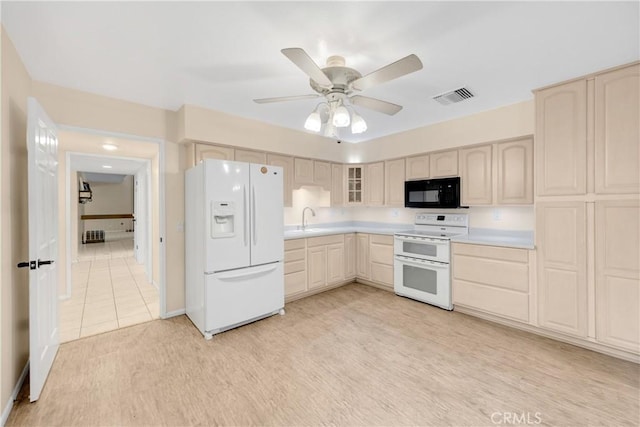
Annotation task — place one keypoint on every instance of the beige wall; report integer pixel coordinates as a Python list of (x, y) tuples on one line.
[(506, 122), (110, 198), (14, 344)]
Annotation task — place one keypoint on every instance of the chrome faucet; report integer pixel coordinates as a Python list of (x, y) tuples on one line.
[(303, 211)]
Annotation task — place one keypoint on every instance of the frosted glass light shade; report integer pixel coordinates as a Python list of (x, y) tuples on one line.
[(313, 122), (341, 117), (358, 125)]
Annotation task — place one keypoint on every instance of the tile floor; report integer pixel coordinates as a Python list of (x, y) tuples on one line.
[(109, 291)]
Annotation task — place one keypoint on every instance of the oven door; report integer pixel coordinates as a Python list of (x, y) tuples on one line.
[(422, 247), (423, 280)]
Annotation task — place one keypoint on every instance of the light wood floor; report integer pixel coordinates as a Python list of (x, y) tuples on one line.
[(352, 356)]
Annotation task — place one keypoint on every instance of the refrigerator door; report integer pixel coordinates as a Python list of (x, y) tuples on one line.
[(227, 215), (267, 214), (240, 296)]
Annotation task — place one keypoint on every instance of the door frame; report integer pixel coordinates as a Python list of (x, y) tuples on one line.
[(161, 208)]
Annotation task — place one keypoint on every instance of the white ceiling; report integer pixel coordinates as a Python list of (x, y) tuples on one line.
[(221, 55)]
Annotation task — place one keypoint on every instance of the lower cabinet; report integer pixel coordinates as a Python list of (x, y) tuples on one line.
[(491, 279), (350, 256), (295, 267), (325, 260), (363, 268), (381, 257)]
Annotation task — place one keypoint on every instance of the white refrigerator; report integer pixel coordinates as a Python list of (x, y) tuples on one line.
[(234, 244)]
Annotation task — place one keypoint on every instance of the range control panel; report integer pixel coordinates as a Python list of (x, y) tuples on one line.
[(460, 220)]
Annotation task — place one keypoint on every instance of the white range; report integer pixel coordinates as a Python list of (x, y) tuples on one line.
[(422, 258)]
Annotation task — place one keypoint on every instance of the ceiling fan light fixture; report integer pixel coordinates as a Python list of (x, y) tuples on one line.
[(341, 117), (330, 131), (358, 125), (313, 122)]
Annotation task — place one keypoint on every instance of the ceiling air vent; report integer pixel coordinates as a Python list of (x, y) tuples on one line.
[(454, 96)]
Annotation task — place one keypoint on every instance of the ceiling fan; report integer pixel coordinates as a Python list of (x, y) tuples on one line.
[(338, 84)]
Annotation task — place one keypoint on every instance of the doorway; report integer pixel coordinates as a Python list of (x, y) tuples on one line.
[(112, 275)]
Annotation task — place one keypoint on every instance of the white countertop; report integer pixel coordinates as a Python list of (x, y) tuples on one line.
[(505, 238), (478, 236)]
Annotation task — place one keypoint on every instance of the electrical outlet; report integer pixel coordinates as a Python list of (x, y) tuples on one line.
[(497, 215), (395, 213)]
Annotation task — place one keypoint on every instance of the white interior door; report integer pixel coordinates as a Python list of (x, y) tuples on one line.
[(42, 146)]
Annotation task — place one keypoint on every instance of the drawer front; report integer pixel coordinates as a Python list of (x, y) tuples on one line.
[(295, 283), (502, 274), (382, 273), (325, 240), (483, 251), (496, 301), (382, 254), (294, 266), (294, 255), (294, 244), (381, 239)]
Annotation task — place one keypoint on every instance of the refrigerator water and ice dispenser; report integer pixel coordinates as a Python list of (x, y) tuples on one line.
[(222, 219)]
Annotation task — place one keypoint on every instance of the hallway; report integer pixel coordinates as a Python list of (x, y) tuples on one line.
[(109, 291)]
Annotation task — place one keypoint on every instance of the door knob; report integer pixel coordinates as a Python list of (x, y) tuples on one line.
[(30, 264)]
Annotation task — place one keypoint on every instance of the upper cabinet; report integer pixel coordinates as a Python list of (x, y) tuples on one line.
[(515, 172), (617, 131), (303, 172), (337, 184), (375, 184), (561, 134), (394, 175), (476, 175), (286, 163), (251, 156), (355, 184), (417, 167), (444, 164), (322, 174), (204, 151)]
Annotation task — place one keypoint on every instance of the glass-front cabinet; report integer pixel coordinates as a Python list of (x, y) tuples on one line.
[(355, 184)]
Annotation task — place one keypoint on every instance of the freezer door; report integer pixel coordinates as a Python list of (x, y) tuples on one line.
[(227, 217), (238, 296), (267, 214)]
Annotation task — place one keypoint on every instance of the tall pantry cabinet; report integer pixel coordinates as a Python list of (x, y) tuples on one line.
[(587, 207)]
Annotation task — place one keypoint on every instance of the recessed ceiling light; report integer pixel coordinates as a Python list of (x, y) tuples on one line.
[(110, 147), (107, 166)]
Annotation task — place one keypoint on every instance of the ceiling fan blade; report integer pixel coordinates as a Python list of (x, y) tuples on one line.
[(401, 67), (299, 57), (375, 104), (284, 98)]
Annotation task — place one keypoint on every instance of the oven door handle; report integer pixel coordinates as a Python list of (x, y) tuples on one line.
[(422, 264), (423, 240)]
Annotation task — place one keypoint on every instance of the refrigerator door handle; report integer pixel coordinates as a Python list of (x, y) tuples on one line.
[(253, 211), (244, 213), (241, 274)]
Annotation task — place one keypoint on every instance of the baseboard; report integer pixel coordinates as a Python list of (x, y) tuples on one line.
[(174, 313), (294, 297), (589, 345), (153, 282), (14, 395), (375, 284)]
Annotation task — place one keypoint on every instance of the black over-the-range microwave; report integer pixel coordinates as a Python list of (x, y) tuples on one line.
[(442, 193)]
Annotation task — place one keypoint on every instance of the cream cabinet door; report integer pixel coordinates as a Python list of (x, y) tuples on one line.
[(562, 282), (355, 184), (443, 164), (322, 174), (515, 172), (561, 139), (335, 263), (618, 274), (394, 175), (476, 176), (350, 256), (204, 151), (337, 185), (251, 156), (317, 266), (286, 163), (617, 131), (375, 184), (417, 167), (303, 172), (363, 267)]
